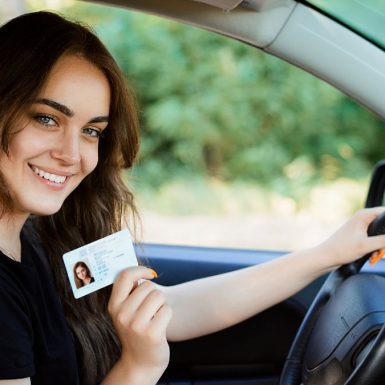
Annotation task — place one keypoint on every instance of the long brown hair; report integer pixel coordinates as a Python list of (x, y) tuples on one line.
[(30, 45)]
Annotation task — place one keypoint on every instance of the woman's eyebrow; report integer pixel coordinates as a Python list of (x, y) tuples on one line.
[(99, 119), (57, 106), (67, 111)]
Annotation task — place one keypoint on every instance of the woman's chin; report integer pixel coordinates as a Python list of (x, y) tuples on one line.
[(43, 211)]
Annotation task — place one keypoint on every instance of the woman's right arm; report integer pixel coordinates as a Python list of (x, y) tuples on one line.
[(140, 316)]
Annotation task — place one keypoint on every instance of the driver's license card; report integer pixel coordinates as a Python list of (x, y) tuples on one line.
[(97, 264)]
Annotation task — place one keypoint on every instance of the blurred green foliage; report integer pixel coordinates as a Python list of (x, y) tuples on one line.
[(212, 106)]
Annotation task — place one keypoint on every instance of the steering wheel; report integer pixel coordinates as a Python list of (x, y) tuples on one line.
[(341, 340)]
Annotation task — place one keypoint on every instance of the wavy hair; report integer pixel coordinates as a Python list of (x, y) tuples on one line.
[(30, 45)]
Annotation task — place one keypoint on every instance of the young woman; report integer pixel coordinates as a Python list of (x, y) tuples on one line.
[(68, 127)]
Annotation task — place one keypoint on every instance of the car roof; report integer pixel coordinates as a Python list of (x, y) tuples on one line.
[(293, 31)]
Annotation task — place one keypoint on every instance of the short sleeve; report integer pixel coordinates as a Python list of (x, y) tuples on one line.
[(16, 335)]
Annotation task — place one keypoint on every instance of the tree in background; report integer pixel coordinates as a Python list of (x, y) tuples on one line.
[(216, 107)]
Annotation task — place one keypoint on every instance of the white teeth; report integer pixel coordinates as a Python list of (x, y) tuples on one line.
[(48, 176)]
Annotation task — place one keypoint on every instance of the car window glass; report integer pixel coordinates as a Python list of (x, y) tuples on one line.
[(239, 149), (365, 16)]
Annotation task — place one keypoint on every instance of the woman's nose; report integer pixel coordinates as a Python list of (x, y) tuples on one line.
[(68, 148)]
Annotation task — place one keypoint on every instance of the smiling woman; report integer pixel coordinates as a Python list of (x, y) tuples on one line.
[(58, 143), (68, 128)]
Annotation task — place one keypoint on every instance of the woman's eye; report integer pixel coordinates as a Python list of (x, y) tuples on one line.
[(92, 132), (46, 120)]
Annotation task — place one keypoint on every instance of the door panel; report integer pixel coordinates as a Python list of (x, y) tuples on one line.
[(252, 352)]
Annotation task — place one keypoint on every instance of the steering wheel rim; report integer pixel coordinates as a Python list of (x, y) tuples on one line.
[(367, 370), (291, 373)]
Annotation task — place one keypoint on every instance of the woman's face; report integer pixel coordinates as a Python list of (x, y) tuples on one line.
[(55, 146), (81, 273)]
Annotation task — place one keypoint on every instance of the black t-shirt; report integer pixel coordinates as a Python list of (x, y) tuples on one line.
[(35, 340)]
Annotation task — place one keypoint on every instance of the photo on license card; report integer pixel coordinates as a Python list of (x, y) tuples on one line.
[(96, 265)]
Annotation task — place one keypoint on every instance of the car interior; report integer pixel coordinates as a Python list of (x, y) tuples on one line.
[(331, 332), (310, 338)]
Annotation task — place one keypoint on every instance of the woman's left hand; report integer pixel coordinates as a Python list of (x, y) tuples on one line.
[(351, 241)]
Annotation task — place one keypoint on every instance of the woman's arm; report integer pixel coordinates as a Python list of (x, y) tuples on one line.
[(214, 303)]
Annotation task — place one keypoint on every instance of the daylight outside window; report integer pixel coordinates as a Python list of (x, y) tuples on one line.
[(239, 149)]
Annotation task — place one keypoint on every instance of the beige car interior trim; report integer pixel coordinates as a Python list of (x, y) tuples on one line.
[(226, 5), (316, 43), (256, 22), (294, 32)]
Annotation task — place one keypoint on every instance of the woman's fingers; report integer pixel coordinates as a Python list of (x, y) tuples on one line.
[(125, 283), (351, 240), (370, 214), (133, 307), (151, 305), (162, 318), (142, 304), (376, 242), (138, 295)]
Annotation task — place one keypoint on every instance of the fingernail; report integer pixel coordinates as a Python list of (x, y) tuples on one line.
[(377, 256), (154, 273)]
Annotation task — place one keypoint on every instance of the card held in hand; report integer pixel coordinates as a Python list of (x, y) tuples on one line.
[(97, 264)]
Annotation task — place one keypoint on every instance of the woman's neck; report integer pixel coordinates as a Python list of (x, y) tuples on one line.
[(10, 228)]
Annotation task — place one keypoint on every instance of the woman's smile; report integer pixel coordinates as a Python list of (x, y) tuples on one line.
[(56, 179)]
